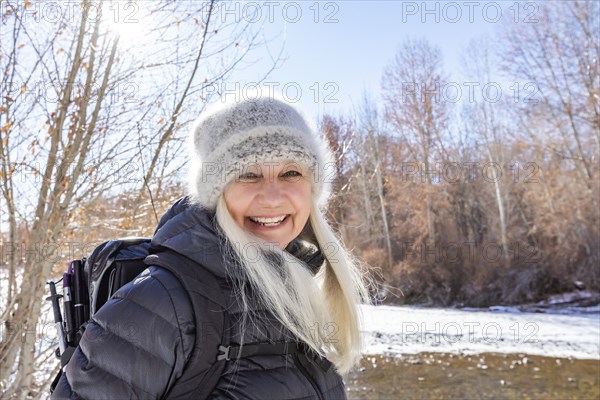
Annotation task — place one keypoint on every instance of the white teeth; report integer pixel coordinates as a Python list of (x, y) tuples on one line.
[(271, 221)]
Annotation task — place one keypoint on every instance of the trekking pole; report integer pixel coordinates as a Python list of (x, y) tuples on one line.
[(68, 304), (54, 298), (78, 293)]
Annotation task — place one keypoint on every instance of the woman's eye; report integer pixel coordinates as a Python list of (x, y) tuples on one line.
[(249, 175), (292, 173)]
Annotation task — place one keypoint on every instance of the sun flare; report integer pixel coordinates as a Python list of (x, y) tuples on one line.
[(124, 19)]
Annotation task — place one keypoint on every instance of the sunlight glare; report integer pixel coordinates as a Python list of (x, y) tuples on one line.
[(123, 18)]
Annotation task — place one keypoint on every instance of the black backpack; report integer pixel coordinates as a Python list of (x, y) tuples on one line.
[(91, 281)]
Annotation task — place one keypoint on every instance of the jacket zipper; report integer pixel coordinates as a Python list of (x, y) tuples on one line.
[(308, 377)]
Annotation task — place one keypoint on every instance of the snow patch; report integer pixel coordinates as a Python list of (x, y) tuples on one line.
[(411, 330)]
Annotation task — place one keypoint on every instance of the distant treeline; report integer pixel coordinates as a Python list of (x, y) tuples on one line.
[(471, 190)]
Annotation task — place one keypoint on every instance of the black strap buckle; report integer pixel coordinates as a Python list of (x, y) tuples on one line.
[(225, 355)]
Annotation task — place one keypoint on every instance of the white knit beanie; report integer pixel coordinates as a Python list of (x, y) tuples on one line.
[(234, 135)]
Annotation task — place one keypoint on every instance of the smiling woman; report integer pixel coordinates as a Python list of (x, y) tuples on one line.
[(269, 304)]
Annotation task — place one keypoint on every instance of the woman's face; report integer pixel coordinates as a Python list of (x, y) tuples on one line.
[(270, 191)]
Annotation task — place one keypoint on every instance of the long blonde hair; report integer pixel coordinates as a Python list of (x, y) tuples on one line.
[(301, 301)]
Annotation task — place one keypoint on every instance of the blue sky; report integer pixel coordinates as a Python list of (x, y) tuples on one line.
[(340, 60)]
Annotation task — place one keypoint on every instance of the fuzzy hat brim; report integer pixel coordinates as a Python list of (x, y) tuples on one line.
[(233, 137)]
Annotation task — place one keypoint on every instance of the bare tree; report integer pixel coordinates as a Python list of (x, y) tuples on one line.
[(558, 56), (481, 116), (376, 144), (85, 114), (412, 87), (340, 136)]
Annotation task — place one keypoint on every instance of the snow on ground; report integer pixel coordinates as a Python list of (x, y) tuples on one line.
[(410, 330)]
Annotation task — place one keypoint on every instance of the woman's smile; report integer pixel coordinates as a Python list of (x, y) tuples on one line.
[(268, 224)]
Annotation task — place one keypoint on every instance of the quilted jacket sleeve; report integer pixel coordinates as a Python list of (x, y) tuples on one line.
[(136, 345)]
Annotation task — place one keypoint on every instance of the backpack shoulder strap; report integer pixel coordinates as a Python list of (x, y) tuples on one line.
[(204, 368)]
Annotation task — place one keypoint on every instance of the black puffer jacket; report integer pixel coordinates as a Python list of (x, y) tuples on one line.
[(139, 344)]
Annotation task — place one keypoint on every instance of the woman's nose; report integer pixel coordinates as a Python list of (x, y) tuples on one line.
[(270, 193)]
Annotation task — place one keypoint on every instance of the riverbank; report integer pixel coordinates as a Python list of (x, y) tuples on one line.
[(482, 376)]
